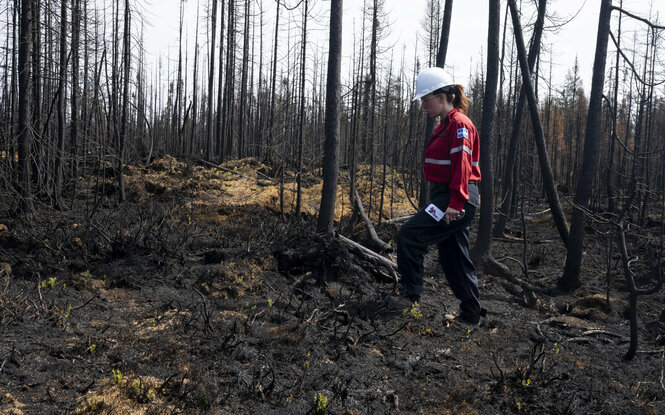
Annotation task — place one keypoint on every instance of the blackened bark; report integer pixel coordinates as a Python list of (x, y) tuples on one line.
[(60, 152), (303, 57), (195, 105), (273, 88), (484, 239), (24, 127), (331, 146), (219, 135), (125, 100), (546, 169), (511, 156), (211, 80), (74, 123), (37, 162), (570, 278), (244, 107)]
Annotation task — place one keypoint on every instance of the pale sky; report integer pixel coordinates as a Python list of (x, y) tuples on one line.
[(468, 37)]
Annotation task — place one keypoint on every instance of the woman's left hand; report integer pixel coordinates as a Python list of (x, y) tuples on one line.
[(451, 214)]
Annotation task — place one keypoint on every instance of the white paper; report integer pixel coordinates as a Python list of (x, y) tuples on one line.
[(434, 212)]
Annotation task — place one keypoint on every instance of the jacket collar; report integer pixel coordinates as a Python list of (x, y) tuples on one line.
[(445, 121)]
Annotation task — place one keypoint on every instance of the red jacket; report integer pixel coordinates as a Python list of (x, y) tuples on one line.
[(452, 156)]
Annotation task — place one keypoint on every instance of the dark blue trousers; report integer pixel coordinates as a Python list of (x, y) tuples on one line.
[(452, 240)]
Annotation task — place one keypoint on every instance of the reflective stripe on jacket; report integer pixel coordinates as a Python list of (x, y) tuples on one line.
[(452, 156)]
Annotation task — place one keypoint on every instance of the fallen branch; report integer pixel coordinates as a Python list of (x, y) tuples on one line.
[(662, 371), (368, 253), (372, 232), (609, 333), (217, 166), (494, 267), (84, 304), (398, 220), (530, 216), (579, 339)]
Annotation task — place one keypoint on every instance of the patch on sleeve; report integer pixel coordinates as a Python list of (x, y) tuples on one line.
[(462, 133)]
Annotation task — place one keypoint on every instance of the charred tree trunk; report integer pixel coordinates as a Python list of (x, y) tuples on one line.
[(511, 156), (331, 146), (575, 245), (611, 198), (229, 85), (195, 88), (125, 101), (481, 249), (546, 169), (370, 110), (38, 160), (211, 80), (273, 87), (175, 118), (24, 127), (60, 151), (74, 122), (244, 107), (219, 134), (303, 58)]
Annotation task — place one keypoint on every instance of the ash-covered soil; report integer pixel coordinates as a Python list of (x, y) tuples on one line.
[(197, 296)]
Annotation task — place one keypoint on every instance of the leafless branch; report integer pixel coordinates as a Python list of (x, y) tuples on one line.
[(641, 19), (627, 60)]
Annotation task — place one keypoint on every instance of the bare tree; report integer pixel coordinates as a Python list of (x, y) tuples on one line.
[(333, 100), (303, 63), (273, 88), (24, 127), (484, 239), (38, 142), (546, 169), (511, 154), (242, 145), (62, 79), (211, 80), (74, 113), (195, 88), (125, 101), (220, 131), (575, 244)]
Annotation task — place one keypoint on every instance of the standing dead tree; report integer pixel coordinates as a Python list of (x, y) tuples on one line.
[(546, 169), (575, 244), (633, 289), (333, 100), (303, 77), (211, 80), (511, 154), (481, 249), (24, 127), (62, 79), (125, 100)]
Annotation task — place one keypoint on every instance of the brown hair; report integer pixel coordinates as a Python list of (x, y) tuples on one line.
[(455, 95)]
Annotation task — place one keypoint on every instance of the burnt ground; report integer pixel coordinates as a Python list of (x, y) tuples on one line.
[(195, 296)]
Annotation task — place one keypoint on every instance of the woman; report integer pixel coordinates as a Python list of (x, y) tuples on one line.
[(451, 165)]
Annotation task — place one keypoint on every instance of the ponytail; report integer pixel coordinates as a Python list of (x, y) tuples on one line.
[(455, 95), (458, 99)]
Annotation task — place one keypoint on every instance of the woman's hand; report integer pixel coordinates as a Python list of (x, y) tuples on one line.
[(451, 214)]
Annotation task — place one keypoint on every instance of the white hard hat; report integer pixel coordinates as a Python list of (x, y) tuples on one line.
[(431, 79)]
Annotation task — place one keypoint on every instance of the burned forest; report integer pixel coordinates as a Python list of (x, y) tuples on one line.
[(212, 228)]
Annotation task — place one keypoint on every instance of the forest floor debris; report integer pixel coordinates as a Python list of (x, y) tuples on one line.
[(196, 296)]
